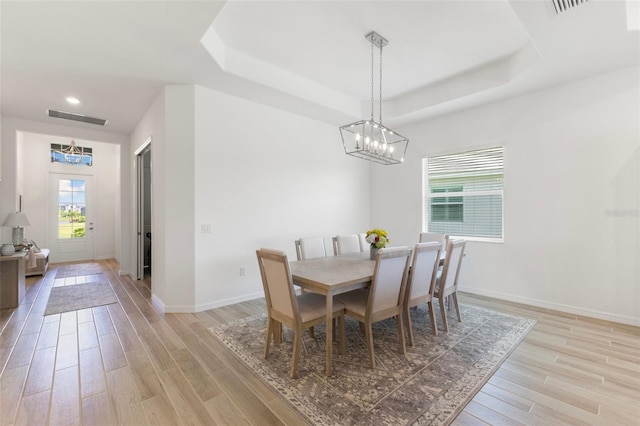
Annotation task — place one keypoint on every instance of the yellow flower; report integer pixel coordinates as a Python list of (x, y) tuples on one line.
[(377, 238)]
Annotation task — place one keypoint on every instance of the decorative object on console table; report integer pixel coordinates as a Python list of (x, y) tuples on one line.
[(7, 250), (17, 220), (42, 262), (378, 239)]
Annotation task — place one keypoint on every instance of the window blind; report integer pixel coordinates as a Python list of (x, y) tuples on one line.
[(463, 193)]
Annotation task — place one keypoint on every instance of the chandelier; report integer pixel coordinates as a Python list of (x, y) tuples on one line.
[(370, 139)]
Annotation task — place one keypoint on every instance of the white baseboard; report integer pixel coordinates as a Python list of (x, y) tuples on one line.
[(104, 257), (576, 310), (157, 303), (186, 309), (230, 301)]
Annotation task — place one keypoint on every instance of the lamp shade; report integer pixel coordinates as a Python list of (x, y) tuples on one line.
[(17, 219)]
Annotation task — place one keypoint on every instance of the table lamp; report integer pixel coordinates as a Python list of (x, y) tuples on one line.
[(17, 220)]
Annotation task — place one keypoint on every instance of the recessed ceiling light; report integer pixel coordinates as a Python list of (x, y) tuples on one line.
[(72, 100)]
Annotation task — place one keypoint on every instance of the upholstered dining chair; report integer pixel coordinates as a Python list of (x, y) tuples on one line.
[(447, 281), (310, 248), (421, 283), (284, 307), (343, 244), (384, 298), (364, 245), (427, 237)]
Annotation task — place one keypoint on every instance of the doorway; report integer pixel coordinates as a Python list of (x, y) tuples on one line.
[(71, 213), (143, 205)]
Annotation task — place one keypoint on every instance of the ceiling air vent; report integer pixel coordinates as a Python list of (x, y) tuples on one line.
[(564, 5), (76, 117)]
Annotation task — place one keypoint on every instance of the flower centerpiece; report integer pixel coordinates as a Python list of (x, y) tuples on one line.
[(377, 239)]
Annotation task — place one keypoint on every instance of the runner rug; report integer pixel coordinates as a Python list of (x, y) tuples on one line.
[(429, 385), (79, 296), (75, 269)]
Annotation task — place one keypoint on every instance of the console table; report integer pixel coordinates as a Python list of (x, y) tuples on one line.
[(12, 273)]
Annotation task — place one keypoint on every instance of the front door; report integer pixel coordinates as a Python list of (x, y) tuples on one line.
[(71, 211)]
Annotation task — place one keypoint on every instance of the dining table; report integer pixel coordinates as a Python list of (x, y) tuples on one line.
[(329, 276), (333, 275)]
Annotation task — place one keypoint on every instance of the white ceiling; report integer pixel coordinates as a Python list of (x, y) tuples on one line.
[(307, 57)]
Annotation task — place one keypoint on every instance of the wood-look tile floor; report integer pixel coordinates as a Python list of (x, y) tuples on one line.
[(126, 363)]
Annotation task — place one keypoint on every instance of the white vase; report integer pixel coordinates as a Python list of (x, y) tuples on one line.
[(7, 250)]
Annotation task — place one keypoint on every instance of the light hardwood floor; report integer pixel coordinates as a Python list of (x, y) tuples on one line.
[(126, 363)]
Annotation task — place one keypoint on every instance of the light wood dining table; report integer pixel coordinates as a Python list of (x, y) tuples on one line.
[(330, 276)]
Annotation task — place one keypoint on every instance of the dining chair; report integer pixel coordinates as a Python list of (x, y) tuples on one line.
[(284, 307), (384, 298), (344, 244), (427, 237), (447, 280), (364, 245), (421, 283), (310, 248)]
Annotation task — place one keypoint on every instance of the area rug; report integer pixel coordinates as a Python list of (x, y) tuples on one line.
[(76, 269), (79, 296), (429, 385)]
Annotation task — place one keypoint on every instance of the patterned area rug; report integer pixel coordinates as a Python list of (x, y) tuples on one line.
[(79, 296), (429, 385), (76, 269)]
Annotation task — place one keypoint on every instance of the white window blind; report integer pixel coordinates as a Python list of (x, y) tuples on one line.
[(463, 193)]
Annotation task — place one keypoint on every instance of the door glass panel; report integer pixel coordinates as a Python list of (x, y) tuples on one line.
[(71, 208)]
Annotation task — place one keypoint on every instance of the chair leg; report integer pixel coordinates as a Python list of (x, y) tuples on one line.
[(369, 333), (444, 314), (341, 327), (432, 315), (311, 333), (454, 297), (296, 354), (276, 330), (267, 343), (407, 318), (403, 348)]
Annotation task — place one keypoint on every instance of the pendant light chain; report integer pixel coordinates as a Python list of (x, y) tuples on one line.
[(380, 108), (371, 81)]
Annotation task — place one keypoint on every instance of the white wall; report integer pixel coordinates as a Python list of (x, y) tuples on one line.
[(13, 130), (259, 176), (151, 126), (35, 168), (571, 157), (169, 123), (265, 177)]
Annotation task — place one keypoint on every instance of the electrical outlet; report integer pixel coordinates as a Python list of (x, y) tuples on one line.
[(206, 228), (242, 271)]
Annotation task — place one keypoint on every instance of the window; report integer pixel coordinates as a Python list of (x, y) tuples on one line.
[(463, 194), (71, 208), (71, 154)]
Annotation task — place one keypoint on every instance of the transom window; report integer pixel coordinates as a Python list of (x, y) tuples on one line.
[(71, 154), (463, 194)]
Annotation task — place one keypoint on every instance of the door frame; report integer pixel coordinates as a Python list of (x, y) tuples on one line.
[(140, 212)]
